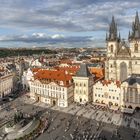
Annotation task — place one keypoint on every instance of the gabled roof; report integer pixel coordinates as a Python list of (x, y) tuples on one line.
[(69, 69), (123, 49), (52, 74), (83, 71)]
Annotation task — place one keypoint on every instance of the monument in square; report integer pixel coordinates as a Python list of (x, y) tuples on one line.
[(20, 127)]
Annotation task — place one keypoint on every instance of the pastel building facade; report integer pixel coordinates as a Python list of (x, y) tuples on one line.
[(107, 93), (83, 85), (52, 87)]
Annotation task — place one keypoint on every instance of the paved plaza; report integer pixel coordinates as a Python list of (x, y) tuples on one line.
[(99, 115), (77, 122)]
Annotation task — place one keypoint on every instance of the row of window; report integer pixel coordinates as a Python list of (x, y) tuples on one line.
[(51, 87), (80, 84), (109, 89), (110, 97), (81, 91), (135, 48), (130, 90), (130, 64), (50, 94)]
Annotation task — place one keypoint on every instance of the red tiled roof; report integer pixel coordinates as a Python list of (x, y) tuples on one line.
[(66, 61), (69, 69), (98, 72), (52, 74), (1, 70), (107, 82), (35, 69)]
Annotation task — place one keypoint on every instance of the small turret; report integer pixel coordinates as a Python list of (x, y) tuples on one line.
[(129, 35), (119, 36)]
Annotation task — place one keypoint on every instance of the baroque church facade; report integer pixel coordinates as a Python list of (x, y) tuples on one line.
[(123, 59)]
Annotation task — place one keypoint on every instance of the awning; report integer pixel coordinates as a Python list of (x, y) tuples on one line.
[(127, 110)]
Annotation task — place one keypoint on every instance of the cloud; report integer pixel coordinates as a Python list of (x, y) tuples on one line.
[(70, 17), (65, 15), (56, 40), (43, 37)]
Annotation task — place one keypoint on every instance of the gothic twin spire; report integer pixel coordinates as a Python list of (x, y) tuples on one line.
[(113, 33), (135, 34)]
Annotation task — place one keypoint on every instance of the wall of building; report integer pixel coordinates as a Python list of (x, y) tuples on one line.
[(83, 89), (130, 95), (108, 94), (6, 84), (51, 93)]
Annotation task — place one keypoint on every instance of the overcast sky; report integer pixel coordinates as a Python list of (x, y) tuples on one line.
[(63, 23)]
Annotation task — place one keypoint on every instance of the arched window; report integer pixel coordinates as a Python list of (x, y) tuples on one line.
[(136, 48), (130, 64), (111, 48), (115, 63)]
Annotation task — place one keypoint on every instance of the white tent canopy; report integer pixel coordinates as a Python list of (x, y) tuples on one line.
[(127, 110)]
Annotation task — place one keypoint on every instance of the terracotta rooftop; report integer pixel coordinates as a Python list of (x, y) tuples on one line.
[(66, 61), (69, 69), (35, 69), (53, 75), (107, 82), (97, 71)]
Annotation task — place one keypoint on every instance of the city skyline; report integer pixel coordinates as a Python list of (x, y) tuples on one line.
[(63, 24)]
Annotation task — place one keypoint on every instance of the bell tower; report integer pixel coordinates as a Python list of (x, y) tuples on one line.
[(112, 42), (112, 39), (134, 37)]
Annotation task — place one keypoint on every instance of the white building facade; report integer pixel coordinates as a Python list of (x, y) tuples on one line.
[(107, 93), (26, 78), (6, 84), (53, 87), (52, 93)]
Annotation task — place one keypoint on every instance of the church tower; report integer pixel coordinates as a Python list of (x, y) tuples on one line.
[(134, 38), (112, 39)]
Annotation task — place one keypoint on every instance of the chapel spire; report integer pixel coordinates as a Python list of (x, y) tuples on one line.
[(135, 34), (113, 35)]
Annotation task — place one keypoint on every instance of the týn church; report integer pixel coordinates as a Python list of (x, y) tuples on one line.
[(123, 59)]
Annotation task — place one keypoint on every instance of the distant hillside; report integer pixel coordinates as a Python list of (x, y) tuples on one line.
[(24, 52)]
